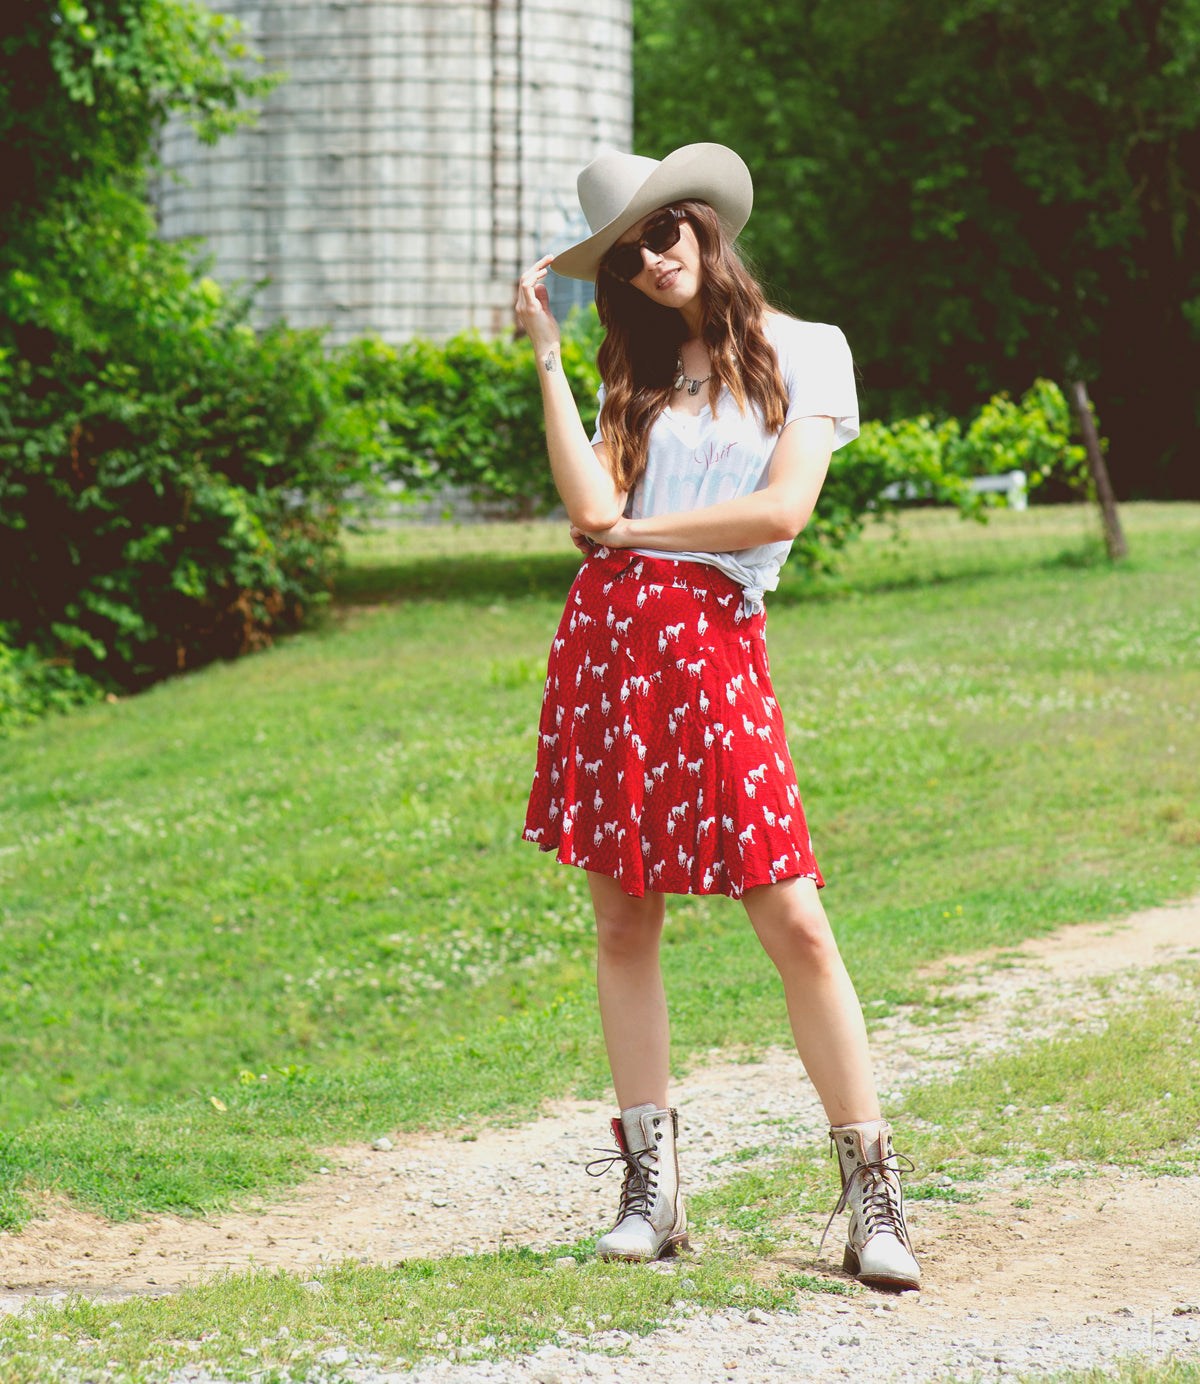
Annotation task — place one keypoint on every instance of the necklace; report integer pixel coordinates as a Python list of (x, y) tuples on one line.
[(693, 386)]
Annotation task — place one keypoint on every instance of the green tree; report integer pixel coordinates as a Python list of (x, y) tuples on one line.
[(980, 191), (86, 84)]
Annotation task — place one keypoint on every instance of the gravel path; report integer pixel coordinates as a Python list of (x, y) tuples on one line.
[(885, 1343), (907, 1344)]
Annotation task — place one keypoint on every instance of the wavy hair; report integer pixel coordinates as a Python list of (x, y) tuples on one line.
[(638, 355)]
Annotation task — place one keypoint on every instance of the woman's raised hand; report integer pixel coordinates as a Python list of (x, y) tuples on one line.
[(533, 307)]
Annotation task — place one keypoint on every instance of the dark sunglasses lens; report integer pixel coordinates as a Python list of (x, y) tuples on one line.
[(625, 262), (661, 235)]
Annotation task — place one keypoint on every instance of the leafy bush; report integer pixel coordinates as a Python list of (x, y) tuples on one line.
[(1033, 436), (910, 456), (467, 414), (170, 481), (932, 462), (30, 686)]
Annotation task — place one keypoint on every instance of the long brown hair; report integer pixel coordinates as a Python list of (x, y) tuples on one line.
[(642, 340)]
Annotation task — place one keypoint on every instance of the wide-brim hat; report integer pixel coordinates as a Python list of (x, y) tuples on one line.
[(616, 190)]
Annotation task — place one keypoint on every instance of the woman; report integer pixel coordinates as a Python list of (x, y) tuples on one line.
[(662, 763)]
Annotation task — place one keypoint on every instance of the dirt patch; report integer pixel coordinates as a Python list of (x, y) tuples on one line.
[(1109, 1243), (1156, 937)]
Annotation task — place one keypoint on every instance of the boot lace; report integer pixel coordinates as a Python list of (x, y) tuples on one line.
[(880, 1199), (641, 1180)]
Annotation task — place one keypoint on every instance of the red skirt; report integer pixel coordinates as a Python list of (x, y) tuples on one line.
[(662, 760)]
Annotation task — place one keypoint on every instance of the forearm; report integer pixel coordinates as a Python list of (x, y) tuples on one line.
[(777, 513), (583, 481), (744, 522), (584, 485)]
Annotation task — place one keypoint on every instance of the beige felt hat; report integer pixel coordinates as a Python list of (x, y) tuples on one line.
[(616, 190)]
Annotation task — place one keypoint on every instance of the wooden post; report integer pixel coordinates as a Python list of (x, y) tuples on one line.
[(1114, 538)]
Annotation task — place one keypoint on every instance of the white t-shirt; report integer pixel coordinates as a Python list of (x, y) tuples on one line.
[(695, 461)]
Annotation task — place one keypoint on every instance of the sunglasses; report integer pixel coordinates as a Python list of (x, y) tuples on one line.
[(625, 262)]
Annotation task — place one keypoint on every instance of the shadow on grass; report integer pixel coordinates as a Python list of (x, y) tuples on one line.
[(489, 577), (475, 578), (800, 585)]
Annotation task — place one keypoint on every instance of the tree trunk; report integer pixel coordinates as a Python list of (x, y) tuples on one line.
[(1114, 538)]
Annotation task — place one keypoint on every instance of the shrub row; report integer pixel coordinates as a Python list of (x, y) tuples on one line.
[(467, 415)]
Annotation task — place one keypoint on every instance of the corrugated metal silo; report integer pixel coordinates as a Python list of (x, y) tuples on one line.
[(416, 158)]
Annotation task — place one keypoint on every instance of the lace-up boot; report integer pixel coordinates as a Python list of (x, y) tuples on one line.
[(651, 1222), (878, 1250)]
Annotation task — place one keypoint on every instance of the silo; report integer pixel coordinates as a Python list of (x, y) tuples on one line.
[(416, 157)]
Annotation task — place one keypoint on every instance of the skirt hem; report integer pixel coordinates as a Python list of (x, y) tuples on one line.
[(725, 888)]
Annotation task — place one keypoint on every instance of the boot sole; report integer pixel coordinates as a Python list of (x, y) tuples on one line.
[(850, 1264), (668, 1251)]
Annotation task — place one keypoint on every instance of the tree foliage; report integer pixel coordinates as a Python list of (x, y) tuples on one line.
[(86, 84), (980, 191)]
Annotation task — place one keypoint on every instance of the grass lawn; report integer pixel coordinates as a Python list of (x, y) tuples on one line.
[(281, 903)]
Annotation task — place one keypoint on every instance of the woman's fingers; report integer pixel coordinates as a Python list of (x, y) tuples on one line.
[(581, 540), (531, 279), (533, 304)]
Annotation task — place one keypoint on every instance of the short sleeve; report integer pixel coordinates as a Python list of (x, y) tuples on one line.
[(597, 436), (818, 374)]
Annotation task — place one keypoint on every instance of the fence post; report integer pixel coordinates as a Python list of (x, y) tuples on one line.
[(1114, 538)]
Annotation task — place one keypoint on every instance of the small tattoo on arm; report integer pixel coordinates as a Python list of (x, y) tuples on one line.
[(550, 363)]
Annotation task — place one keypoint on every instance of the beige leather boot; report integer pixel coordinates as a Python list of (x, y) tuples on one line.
[(878, 1250), (651, 1222)]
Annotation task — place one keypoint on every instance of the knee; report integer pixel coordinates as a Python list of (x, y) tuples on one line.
[(798, 934), (627, 935)]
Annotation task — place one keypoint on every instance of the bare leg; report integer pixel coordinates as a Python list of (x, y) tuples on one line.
[(633, 1004), (825, 1014)]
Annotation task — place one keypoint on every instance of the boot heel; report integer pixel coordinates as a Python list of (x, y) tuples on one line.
[(850, 1262)]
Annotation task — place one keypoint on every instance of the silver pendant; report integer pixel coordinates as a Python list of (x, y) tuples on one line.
[(694, 386)]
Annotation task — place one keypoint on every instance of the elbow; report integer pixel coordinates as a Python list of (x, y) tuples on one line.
[(593, 519), (785, 513), (788, 522)]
